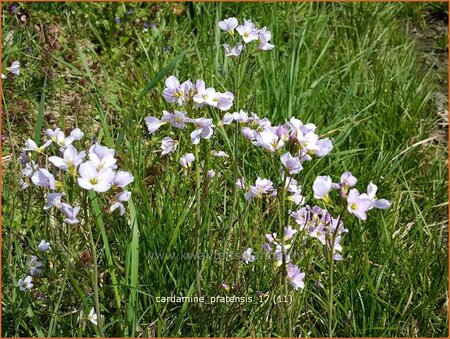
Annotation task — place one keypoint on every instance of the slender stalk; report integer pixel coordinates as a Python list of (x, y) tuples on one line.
[(283, 223), (197, 223), (94, 258)]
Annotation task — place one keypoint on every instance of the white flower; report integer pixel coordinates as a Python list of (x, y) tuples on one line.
[(15, 68), (44, 246), (168, 145), (186, 160), (92, 317), (247, 256), (53, 200), (25, 284), (91, 178), (322, 186)]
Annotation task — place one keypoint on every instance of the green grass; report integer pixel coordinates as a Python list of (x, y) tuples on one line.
[(350, 68)]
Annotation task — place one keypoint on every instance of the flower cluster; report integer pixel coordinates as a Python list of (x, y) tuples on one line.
[(357, 204), (196, 95), (98, 173), (281, 248), (33, 266), (249, 34)]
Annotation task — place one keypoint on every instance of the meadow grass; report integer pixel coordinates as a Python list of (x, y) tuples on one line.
[(350, 68)]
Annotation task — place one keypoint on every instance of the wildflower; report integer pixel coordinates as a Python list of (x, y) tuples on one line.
[(176, 119), (166, 49), (233, 51), (225, 101), (58, 137), (204, 95), (226, 287), (228, 25), (174, 92), (358, 205), (248, 31), (289, 232), (30, 145), (295, 276), (371, 195), (240, 183), (204, 130), (268, 139), (71, 213), (321, 187), (211, 174), (219, 154), (263, 38), (43, 178), (76, 134), (323, 147), (153, 124), (118, 202), (70, 160), (279, 254), (291, 163), (92, 178), (53, 200), (33, 265), (186, 160), (44, 246), (248, 133), (15, 68), (117, 20), (92, 317), (348, 180), (102, 157), (168, 145), (262, 186), (247, 256), (122, 179), (25, 284), (3, 76), (318, 232)]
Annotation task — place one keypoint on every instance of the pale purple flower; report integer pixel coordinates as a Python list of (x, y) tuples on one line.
[(227, 119), (240, 183), (289, 232), (168, 145), (30, 145), (122, 179), (29, 169), (247, 256), (278, 253), (371, 195), (262, 186), (291, 163), (322, 186), (268, 139), (77, 134), (176, 92), (225, 101), (323, 147), (25, 284), (53, 200), (264, 37), (118, 202), (92, 178), (33, 265), (204, 95), (186, 160), (295, 276), (233, 51), (59, 138), (71, 159), (44, 246), (248, 31), (319, 232), (219, 154), (15, 68), (357, 205), (176, 119), (71, 213), (204, 129), (348, 180), (43, 178), (211, 174), (241, 116), (102, 157), (228, 25), (24, 184), (248, 133), (153, 124)]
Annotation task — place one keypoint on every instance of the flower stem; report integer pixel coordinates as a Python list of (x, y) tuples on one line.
[(198, 222), (95, 272)]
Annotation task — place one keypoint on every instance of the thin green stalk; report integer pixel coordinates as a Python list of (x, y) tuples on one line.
[(197, 223), (94, 258)]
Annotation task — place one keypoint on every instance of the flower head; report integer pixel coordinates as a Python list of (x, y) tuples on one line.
[(247, 256), (322, 186), (71, 213), (228, 25), (33, 265), (186, 160), (358, 205), (168, 145), (44, 246), (43, 178), (248, 31), (25, 284), (92, 178)]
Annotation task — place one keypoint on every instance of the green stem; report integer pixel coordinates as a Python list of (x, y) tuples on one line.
[(198, 223), (95, 272)]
